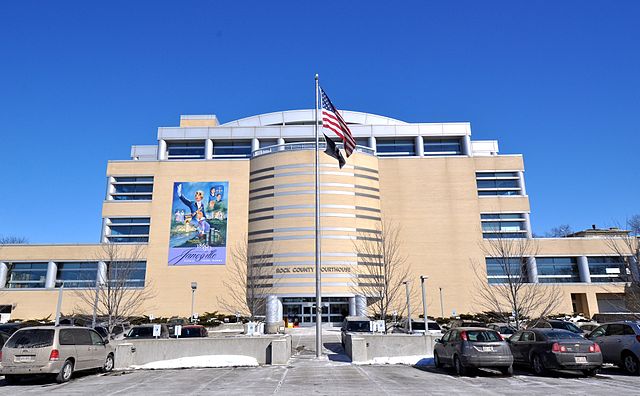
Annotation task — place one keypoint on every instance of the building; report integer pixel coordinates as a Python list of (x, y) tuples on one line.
[(254, 177)]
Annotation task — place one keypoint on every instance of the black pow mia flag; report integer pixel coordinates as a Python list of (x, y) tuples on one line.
[(333, 151)]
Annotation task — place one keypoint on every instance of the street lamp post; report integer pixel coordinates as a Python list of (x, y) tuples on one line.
[(406, 285), (194, 286), (423, 278), (441, 305)]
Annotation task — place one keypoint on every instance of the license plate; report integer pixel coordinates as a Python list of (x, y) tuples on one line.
[(23, 359), (581, 359), (487, 349)]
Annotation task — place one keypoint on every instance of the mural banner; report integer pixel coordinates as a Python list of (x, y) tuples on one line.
[(198, 233)]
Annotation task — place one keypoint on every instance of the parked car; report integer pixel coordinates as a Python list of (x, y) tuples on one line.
[(10, 328), (465, 323), (58, 350), (469, 348), (505, 329), (192, 331), (557, 324), (555, 349), (620, 344), (3, 338), (587, 327), (354, 324), (417, 326), (146, 332)]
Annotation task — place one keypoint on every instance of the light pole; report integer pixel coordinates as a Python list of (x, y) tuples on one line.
[(441, 304), (423, 278), (406, 285), (194, 286), (59, 307)]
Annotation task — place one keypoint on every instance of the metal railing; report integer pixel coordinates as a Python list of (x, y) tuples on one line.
[(304, 146)]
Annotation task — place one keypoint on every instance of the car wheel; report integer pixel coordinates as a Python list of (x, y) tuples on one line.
[(11, 379), (65, 372), (591, 372), (630, 364), (507, 370), (108, 364), (458, 367), (436, 360), (537, 366)]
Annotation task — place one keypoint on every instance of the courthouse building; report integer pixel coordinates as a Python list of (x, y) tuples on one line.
[(205, 187)]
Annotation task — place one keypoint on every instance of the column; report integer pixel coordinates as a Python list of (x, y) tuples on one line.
[(532, 269), (523, 189), (352, 306), (52, 272), (4, 271), (467, 149), (162, 150), (208, 149), (102, 273), (255, 145), (361, 305), (583, 269), (271, 318), (280, 143), (527, 222), (419, 146), (372, 144)]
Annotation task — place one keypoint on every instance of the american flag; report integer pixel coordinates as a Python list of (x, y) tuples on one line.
[(333, 121)]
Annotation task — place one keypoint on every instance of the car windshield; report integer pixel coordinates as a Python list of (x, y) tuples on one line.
[(191, 332), (566, 326), (506, 330), (483, 335), (561, 335), (145, 331), (32, 338), (360, 325)]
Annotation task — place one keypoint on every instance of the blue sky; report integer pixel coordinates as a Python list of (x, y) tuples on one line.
[(81, 81)]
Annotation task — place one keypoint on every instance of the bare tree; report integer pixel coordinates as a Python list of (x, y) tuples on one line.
[(381, 269), (119, 293), (12, 240), (626, 245), (513, 294), (252, 280), (560, 231)]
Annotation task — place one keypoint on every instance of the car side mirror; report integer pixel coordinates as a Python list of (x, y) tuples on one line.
[(438, 340)]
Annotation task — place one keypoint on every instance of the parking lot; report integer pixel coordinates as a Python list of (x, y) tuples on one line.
[(329, 376)]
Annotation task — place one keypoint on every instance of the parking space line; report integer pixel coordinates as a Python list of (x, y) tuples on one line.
[(279, 385)]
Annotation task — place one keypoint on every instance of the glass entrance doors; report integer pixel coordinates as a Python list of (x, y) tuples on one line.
[(301, 310)]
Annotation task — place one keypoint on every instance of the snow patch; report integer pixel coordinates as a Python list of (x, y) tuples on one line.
[(200, 362), (411, 360)]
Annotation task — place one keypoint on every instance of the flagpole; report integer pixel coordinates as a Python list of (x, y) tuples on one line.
[(318, 255)]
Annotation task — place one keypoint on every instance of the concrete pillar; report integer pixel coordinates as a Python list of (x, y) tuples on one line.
[(208, 149), (523, 188), (255, 145), (102, 273), (419, 142), (4, 271), (467, 149), (352, 306), (273, 317), (52, 272), (532, 269), (361, 305), (280, 142), (372, 143), (527, 222), (583, 269), (162, 150)]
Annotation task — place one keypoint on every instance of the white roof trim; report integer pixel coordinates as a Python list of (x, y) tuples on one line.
[(281, 117)]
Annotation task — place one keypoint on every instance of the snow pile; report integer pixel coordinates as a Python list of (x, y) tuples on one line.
[(411, 360), (200, 362)]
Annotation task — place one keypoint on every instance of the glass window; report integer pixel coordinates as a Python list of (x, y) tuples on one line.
[(268, 142), (131, 188), (482, 336), (31, 338), (185, 150), (123, 230), (493, 175), (607, 269), (528, 336), (81, 336), (127, 274), (386, 147), (232, 148), (562, 335), (598, 332), (362, 141), (27, 275), (96, 339), (557, 269), (133, 179), (66, 337), (77, 274), (499, 270), (435, 146), (498, 183)]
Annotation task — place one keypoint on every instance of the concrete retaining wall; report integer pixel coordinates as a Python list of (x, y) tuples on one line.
[(365, 347), (266, 349)]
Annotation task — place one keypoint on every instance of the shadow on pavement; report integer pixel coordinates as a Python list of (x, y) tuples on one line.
[(47, 380), (338, 355)]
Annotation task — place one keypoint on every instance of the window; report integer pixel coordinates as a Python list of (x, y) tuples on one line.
[(232, 148), (503, 225), (498, 183), (607, 269), (131, 188), (268, 142), (499, 269), (77, 274), (435, 146), (362, 141), (557, 269), (185, 150), (127, 229), (27, 275), (29, 338), (386, 147), (127, 274)]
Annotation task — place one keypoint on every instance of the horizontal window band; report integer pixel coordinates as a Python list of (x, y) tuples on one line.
[(312, 262), (311, 165), (313, 254), (367, 195), (254, 211), (262, 196), (288, 174), (260, 240), (368, 209), (260, 232), (362, 284), (368, 231), (255, 179), (256, 190), (367, 188), (363, 238), (310, 284), (367, 177), (367, 276), (371, 263), (255, 172), (261, 218), (365, 169)]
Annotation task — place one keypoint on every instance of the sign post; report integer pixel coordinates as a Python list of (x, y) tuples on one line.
[(177, 331), (156, 330)]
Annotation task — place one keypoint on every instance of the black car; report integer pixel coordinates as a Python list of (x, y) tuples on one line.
[(555, 349), (3, 338), (558, 324), (354, 324)]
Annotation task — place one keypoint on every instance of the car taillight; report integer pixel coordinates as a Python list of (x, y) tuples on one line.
[(594, 348), (638, 338), (463, 336), (558, 348), (55, 355), (0, 356), (501, 337)]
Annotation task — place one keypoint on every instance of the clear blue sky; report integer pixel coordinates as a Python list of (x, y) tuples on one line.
[(82, 81)]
